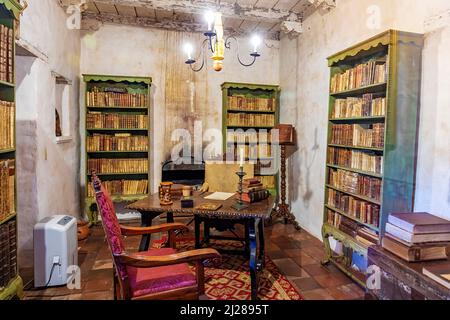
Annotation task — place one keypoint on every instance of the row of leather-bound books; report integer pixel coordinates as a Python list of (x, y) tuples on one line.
[(122, 187), (117, 142), (362, 75), (249, 136), (97, 98), (105, 166), (98, 120), (361, 210), (7, 125), (7, 188), (8, 250), (251, 103), (251, 120), (267, 181), (357, 184), (365, 106), (6, 54), (355, 159), (364, 235), (253, 151), (358, 135)]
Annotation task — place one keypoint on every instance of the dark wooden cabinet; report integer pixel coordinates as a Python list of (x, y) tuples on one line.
[(400, 280)]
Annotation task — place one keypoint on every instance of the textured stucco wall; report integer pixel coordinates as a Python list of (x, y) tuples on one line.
[(48, 173), (125, 50), (306, 105)]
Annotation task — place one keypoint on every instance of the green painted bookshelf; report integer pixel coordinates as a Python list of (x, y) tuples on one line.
[(372, 142), (11, 284), (250, 108), (118, 129)]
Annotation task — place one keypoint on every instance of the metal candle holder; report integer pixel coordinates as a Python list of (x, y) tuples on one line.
[(240, 205)]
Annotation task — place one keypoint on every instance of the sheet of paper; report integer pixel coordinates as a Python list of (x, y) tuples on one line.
[(446, 276), (219, 196)]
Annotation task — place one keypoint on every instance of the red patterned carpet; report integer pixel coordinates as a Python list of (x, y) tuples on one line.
[(230, 280)]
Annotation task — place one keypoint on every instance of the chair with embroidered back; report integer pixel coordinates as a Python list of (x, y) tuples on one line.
[(156, 274)]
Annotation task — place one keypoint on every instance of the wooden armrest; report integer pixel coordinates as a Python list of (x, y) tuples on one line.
[(138, 231), (140, 261)]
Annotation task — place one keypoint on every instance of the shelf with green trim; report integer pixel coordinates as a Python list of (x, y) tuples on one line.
[(341, 212), (101, 108), (251, 111), (359, 119), (7, 84), (120, 129), (374, 88), (126, 85), (8, 218), (355, 195), (366, 173), (10, 11), (7, 151), (399, 154), (251, 91), (121, 174), (356, 147), (145, 151)]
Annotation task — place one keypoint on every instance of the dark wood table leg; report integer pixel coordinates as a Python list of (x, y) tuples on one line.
[(262, 249), (197, 222), (206, 232), (252, 223), (146, 221)]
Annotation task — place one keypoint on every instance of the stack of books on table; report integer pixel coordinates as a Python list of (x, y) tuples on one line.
[(253, 190), (417, 237)]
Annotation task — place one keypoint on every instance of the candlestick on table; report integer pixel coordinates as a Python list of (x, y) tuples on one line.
[(239, 205)]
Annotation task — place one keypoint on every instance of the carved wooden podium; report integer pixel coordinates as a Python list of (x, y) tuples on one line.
[(286, 137)]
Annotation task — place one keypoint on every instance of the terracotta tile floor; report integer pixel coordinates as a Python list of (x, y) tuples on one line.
[(296, 253)]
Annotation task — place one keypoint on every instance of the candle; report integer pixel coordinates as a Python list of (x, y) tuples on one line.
[(241, 157)]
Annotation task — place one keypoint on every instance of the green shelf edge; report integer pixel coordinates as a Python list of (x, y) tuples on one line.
[(13, 289), (343, 213), (355, 195), (4, 151), (97, 78), (10, 217), (250, 86), (366, 173), (13, 6), (355, 147)]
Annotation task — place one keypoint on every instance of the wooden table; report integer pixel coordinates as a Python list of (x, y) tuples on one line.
[(252, 217), (401, 280)]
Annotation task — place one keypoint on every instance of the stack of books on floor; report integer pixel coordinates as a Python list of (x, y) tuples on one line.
[(417, 237), (253, 190)]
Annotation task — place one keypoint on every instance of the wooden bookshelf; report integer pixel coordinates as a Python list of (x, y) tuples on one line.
[(259, 105), (11, 284), (399, 53), (117, 96)]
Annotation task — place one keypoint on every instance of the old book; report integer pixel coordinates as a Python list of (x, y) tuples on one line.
[(416, 238), (415, 253), (419, 223), (209, 206), (439, 273)]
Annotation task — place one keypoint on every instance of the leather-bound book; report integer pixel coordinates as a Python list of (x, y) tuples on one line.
[(419, 223), (415, 253), (415, 237)]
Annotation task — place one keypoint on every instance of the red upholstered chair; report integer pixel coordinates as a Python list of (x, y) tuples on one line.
[(156, 274)]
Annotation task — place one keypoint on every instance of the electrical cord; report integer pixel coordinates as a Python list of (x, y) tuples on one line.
[(51, 272)]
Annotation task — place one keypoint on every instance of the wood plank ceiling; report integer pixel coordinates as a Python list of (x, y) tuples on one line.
[(240, 16)]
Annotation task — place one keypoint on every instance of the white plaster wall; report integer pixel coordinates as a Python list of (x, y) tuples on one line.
[(125, 50), (48, 173), (325, 34)]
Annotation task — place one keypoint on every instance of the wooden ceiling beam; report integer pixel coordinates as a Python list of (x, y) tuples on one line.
[(230, 10), (90, 19)]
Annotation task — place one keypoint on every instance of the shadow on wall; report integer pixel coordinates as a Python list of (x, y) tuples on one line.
[(304, 158), (27, 197)]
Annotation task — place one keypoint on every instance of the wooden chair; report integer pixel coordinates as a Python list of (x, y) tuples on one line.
[(158, 274)]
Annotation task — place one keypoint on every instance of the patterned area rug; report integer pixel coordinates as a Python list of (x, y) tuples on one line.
[(230, 280)]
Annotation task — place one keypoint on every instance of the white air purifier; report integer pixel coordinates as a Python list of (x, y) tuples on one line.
[(55, 250)]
